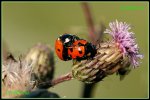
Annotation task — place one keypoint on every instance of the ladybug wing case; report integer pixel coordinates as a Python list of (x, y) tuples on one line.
[(61, 51), (76, 52)]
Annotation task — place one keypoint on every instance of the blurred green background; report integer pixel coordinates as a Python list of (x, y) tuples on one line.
[(27, 23)]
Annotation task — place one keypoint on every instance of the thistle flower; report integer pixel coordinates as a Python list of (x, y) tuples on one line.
[(125, 41), (16, 77), (107, 61), (43, 66), (113, 56), (26, 73)]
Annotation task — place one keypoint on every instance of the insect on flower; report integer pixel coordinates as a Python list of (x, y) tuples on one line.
[(61, 45), (69, 47), (114, 56), (81, 50)]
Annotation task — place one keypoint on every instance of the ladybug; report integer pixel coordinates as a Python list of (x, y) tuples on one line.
[(81, 50), (62, 43)]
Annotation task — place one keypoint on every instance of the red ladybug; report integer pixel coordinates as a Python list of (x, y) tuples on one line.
[(81, 49), (69, 47), (62, 43)]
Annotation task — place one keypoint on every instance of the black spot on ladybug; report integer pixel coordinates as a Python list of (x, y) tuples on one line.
[(71, 49), (58, 50), (80, 52)]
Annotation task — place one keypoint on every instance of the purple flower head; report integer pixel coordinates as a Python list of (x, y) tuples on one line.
[(125, 39)]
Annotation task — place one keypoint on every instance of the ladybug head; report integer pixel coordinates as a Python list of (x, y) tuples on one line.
[(68, 39)]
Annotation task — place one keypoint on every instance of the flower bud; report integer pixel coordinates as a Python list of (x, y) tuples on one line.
[(41, 56)]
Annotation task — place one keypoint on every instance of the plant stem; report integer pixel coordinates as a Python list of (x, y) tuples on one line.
[(89, 20), (63, 78), (88, 88)]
